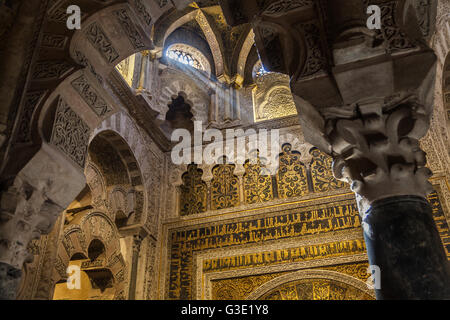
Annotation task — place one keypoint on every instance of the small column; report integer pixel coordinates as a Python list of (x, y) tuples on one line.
[(239, 172), (143, 72), (213, 112), (137, 240), (208, 197), (237, 103), (227, 104)]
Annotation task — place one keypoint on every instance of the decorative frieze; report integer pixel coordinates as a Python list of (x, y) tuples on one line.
[(91, 96)]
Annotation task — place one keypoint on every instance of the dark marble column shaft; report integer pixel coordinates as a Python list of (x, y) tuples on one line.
[(403, 241)]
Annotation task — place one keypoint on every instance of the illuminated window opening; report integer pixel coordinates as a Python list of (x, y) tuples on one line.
[(189, 56)]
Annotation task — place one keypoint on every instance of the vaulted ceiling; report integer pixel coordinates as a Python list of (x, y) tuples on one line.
[(230, 46)]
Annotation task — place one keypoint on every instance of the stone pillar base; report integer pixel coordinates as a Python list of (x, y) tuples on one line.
[(403, 241)]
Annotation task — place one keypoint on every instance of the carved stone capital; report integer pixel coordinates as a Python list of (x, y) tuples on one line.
[(375, 145), (30, 205), (26, 213)]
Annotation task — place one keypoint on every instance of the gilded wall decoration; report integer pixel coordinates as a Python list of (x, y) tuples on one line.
[(307, 253), (356, 270), (257, 186), (224, 187), (441, 221), (286, 224), (240, 288), (322, 177), (291, 177), (316, 289), (194, 192), (70, 133), (278, 103), (272, 96)]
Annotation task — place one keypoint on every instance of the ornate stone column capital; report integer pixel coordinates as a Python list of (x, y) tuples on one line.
[(375, 145)]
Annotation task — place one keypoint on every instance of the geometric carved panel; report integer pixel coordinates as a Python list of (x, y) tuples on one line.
[(101, 42), (70, 133), (91, 96)]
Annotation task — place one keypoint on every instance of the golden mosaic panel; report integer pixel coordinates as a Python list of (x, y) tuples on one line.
[(286, 224), (272, 96), (126, 69)]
